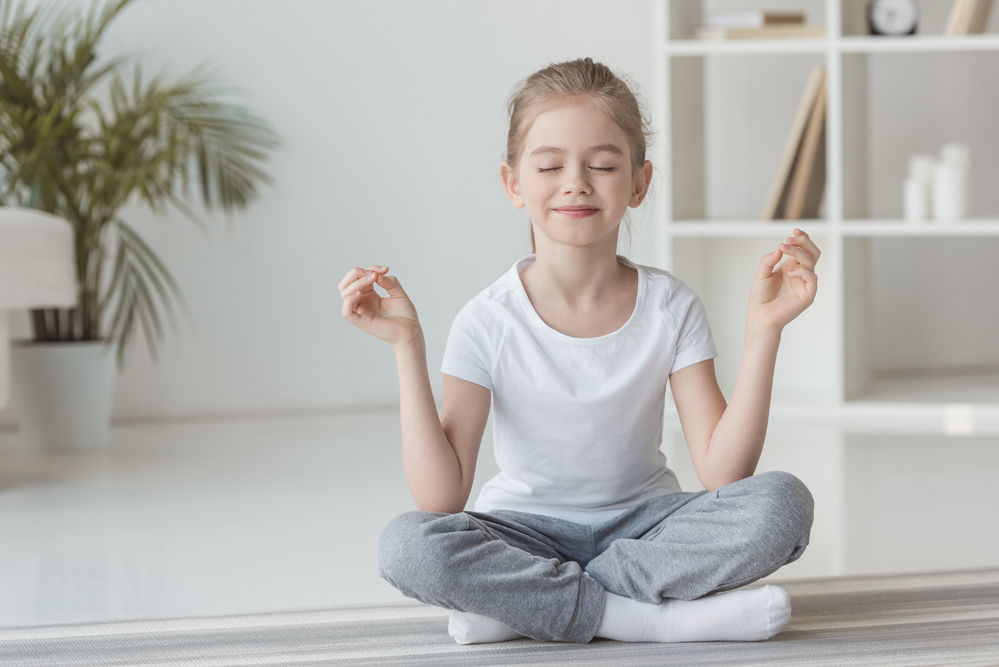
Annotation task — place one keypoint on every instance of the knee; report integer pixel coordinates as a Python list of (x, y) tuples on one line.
[(785, 510), (404, 544)]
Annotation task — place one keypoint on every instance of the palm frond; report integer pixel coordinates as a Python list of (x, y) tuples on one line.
[(83, 156), (136, 268)]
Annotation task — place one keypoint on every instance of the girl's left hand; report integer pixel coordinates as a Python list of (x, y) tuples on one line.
[(777, 297)]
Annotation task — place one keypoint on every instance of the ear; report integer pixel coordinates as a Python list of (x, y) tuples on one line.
[(641, 187), (512, 185)]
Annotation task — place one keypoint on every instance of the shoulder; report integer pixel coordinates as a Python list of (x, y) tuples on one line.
[(490, 306), (669, 296)]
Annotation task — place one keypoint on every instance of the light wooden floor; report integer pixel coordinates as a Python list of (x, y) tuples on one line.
[(928, 619)]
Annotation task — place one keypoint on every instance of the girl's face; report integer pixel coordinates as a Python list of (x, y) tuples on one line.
[(575, 175)]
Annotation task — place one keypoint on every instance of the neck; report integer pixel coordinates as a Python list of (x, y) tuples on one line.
[(578, 276)]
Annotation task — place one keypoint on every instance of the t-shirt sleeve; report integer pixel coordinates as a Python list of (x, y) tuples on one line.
[(694, 342), (466, 354)]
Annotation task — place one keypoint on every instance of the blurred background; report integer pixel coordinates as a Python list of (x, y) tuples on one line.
[(254, 465)]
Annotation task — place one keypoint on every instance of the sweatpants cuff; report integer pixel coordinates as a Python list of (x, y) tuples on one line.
[(589, 611)]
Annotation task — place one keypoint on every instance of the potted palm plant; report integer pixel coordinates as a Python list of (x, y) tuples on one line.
[(81, 138)]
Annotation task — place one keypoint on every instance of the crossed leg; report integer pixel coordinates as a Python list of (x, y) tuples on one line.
[(526, 572)]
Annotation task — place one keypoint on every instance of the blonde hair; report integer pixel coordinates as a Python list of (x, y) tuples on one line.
[(548, 87)]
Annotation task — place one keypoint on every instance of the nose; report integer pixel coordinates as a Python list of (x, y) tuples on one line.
[(576, 182)]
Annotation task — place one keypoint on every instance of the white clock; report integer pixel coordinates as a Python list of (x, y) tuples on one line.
[(892, 17)]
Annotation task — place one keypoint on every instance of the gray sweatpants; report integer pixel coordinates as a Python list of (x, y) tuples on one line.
[(526, 570)]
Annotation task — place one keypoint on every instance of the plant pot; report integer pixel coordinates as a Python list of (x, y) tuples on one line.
[(61, 393)]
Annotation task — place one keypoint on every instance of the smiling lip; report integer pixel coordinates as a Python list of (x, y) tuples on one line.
[(577, 211)]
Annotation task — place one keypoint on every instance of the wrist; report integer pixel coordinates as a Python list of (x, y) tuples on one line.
[(756, 330), (416, 342)]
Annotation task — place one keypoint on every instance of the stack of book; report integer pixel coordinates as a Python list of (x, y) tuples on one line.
[(968, 17), (801, 175), (756, 24)]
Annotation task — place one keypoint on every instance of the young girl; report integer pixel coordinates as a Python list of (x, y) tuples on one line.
[(585, 532)]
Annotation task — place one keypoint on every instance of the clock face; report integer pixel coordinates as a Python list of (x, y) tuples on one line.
[(893, 17)]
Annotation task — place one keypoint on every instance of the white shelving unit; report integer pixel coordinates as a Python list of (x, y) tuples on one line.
[(829, 365)]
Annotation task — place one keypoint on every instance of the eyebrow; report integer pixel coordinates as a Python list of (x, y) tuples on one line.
[(602, 148)]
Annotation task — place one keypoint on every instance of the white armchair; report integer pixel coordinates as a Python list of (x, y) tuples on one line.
[(37, 270)]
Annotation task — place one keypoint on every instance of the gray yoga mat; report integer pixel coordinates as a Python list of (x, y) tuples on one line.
[(939, 618)]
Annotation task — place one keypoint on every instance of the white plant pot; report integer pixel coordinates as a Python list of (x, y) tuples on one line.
[(61, 393)]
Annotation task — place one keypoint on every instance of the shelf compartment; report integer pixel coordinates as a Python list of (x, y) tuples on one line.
[(723, 164), (972, 385), (899, 104), (686, 15), (933, 16), (918, 326)]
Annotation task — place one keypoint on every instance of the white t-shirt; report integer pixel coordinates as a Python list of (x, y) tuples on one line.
[(577, 422)]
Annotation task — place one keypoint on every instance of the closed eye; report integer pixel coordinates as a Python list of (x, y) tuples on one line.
[(545, 171)]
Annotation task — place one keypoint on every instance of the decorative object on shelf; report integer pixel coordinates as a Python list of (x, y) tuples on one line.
[(749, 18), (918, 188), (780, 31), (948, 195), (79, 139), (939, 189), (968, 17), (894, 18), (951, 191), (755, 24), (800, 180), (960, 156)]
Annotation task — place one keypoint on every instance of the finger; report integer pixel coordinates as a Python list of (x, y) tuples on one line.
[(349, 304), (356, 273), (364, 284), (802, 240), (351, 276), (391, 285), (800, 254), (805, 274), (767, 263)]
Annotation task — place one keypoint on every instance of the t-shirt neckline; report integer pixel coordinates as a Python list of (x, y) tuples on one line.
[(524, 262)]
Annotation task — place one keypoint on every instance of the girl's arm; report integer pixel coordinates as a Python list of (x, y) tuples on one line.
[(725, 441), (438, 453)]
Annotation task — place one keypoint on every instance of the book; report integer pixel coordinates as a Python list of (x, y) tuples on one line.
[(967, 17), (774, 207), (782, 31), (749, 18), (957, 20), (979, 17), (809, 175)]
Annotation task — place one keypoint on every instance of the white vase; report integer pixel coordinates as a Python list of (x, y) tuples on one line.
[(61, 393)]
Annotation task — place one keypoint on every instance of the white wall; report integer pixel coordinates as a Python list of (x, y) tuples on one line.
[(394, 118)]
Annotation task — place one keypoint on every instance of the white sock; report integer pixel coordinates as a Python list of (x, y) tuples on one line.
[(743, 615), (469, 628)]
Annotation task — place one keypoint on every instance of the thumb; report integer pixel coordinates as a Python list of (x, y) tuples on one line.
[(767, 264), (391, 285)]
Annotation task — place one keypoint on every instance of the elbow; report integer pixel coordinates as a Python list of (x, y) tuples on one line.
[(716, 483), (440, 509), (441, 505)]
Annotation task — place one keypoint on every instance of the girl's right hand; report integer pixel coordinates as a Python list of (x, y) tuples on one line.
[(392, 319)]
